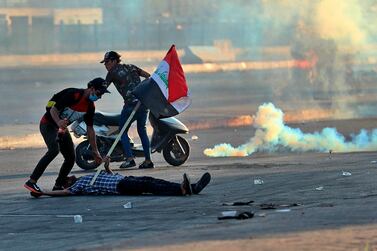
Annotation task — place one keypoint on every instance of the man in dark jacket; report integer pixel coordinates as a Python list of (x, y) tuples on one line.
[(62, 109)]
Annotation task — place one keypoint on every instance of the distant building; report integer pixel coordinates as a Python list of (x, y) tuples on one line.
[(56, 26)]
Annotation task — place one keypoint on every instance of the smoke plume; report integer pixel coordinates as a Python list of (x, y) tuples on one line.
[(342, 21), (272, 134)]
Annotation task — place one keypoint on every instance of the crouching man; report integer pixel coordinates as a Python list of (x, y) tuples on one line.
[(108, 183), (63, 109)]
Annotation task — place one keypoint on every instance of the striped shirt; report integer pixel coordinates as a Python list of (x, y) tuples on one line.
[(105, 184)]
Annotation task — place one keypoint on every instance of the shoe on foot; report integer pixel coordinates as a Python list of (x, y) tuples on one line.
[(128, 164), (186, 185), (146, 165), (32, 187), (201, 184), (35, 195)]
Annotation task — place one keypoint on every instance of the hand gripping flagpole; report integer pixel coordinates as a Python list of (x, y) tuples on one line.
[(117, 139)]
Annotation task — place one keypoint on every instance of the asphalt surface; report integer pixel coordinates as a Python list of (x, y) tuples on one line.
[(292, 181), (289, 178)]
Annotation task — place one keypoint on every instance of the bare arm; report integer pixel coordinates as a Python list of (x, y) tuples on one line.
[(93, 144), (64, 192), (62, 123), (144, 74), (106, 159)]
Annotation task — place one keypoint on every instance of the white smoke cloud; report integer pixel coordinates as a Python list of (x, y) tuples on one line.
[(341, 21), (271, 133)]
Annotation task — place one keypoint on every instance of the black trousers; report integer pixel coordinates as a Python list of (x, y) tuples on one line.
[(63, 144), (131, 185)]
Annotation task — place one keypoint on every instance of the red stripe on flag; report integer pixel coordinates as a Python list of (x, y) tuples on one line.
[(177, 81)]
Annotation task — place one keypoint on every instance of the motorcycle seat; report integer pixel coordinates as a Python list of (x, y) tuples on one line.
[(108, 119)]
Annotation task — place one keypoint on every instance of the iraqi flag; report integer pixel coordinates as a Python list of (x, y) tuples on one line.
[(165, 93)]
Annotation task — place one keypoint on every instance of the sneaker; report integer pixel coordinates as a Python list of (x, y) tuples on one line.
[(186, 185), (146, 165), (35, 195), (201, 184), (32, 187), (128, 164)]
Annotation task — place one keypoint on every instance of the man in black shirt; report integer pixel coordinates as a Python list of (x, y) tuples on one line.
[(62, 109)]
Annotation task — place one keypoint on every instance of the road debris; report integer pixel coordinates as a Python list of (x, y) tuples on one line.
[(346, 173), (284, 210), (194, 137), (237, 203), (225, 215), (128, 205), (77, 218), (258, 181)]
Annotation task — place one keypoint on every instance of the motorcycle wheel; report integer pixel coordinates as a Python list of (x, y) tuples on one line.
[(173, 154), (84, 158)]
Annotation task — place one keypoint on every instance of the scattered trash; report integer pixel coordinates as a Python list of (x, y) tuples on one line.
[(238, 203), (262, 215), (284, 210), (373, 161), (258, 181), (77, 218), (290, 205), (235, 215), (326, 205), (194, 137), (346, 173), (319, 188), (229, 213), (128, 205), (267, 206)]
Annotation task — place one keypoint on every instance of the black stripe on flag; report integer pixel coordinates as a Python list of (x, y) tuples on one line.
[(149, 93)]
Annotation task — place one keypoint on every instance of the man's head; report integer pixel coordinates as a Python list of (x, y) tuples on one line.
[(70, 181), (97, 88), (110, 59)]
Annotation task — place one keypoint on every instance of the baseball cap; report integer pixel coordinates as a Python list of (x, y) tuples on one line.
[(99, 84), (110, 55)]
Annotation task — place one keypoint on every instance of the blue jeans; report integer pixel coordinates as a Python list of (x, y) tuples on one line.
[(141, 118)]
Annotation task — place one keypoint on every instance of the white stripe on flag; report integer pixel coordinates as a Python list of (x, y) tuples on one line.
[(161, 85), (181, 104), (161, 72)]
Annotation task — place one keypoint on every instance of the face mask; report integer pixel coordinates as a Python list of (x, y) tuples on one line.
[(93, 97)]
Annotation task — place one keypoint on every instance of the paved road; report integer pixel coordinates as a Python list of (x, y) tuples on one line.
[(47, 223), (215, 96)]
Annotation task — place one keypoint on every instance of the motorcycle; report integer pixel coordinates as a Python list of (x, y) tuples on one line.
[(175, 149)]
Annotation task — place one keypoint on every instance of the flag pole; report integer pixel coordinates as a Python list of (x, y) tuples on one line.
[(117, 139)]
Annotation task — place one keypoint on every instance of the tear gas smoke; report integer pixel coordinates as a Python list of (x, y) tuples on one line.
[(35, 140), (340, 20), (242, 120), (272, 134)]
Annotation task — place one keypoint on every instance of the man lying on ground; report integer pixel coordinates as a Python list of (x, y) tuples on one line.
[(108, 183)]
